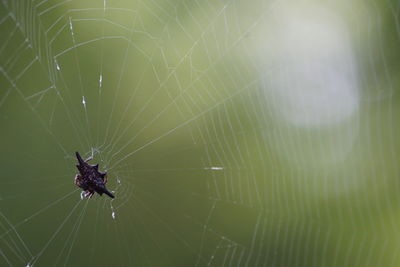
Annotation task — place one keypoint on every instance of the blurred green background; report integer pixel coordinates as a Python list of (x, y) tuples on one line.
[(234, 133)]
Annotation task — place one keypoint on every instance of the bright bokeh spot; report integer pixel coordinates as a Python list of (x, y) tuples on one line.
[(315, 81)]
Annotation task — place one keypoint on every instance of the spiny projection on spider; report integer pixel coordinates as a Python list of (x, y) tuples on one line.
[(90, 179)]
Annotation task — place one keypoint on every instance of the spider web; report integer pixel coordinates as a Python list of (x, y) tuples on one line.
[(234, 133)]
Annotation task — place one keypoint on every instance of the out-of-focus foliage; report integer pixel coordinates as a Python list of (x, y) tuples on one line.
[(234, 133)]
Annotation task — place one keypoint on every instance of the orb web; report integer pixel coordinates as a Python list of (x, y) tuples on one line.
[(233, 133)]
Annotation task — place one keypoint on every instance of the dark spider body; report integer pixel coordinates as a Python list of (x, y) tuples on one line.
[(90, 179)]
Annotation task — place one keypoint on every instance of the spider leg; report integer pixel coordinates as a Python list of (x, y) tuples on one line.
[(77, 181), (88, 194)]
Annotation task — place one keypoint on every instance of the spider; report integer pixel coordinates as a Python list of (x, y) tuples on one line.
[(90, 179)]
